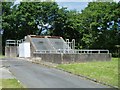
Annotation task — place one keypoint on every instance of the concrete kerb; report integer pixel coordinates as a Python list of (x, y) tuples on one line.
[(13, 76), (9, 75), (39, 61), (17, 79), (5, 73), (85, 77), (48, 64)]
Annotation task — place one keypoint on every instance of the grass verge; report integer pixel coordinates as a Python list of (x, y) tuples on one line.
[(2, 56), (10, 83), (103, 71)]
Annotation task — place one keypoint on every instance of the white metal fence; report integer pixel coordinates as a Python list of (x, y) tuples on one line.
[(65, 51), (14, 42), (70, 51)]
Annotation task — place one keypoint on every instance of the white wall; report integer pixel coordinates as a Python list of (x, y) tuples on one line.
[(24, 49)]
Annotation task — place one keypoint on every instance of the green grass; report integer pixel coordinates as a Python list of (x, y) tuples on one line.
[(10, 83), (104, 71), (2, 56)]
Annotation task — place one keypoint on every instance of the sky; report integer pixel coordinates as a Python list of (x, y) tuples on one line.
[(70, 4), (77, 5)]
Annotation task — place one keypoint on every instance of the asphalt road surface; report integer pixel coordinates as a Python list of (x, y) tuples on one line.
[(38, 76)]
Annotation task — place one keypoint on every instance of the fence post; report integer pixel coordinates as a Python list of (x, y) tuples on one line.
[(99, 51)]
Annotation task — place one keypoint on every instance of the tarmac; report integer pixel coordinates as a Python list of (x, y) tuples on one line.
[(33, 75), (5, 73)]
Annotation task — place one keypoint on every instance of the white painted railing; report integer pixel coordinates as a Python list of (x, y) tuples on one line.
[(70, 51), (13, 42)]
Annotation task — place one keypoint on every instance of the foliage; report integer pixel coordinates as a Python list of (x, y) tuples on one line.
[(10, 83), (97, 27), (94, 22), (24, 17)]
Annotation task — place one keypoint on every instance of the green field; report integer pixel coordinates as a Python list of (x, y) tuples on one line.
[(10, 83), (1, 56), (104, 71)]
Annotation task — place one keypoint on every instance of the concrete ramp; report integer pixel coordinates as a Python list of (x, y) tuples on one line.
[(40, 43), (58, 43), (48, 43)]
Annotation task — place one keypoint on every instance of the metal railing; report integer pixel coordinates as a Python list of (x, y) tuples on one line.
[(71, 51), (13, 42)]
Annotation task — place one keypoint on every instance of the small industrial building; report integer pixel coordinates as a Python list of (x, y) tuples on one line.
[(52, 49)]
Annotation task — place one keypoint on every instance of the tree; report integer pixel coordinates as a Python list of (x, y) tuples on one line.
[(23, 18), (97, 27), (94, 22)]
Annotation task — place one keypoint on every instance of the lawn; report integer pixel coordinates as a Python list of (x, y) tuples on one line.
[(104, 71), (10, 83), (1, 56)]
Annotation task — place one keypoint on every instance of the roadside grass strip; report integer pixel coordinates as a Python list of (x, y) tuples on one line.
[(1, 56), (102, 71), (0, 84), (10, 83)]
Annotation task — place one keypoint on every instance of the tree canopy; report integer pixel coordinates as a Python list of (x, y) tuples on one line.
[(101, 21), (96, 27)]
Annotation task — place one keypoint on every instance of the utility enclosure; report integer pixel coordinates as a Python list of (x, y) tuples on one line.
[(53, 49), (24, 49)]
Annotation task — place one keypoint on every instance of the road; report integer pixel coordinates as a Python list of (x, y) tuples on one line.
[(38, 76)]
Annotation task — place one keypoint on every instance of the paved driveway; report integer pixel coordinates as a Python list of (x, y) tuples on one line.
[(38, 76)]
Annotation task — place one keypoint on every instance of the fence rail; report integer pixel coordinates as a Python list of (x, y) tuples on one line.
[(13, 42), (71, 51)]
